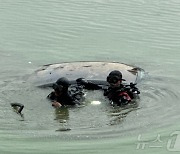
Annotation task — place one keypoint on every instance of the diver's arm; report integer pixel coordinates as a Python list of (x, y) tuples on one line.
[(87, 84), (53, 100)]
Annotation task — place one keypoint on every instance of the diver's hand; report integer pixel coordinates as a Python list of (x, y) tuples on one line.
[(56, 104)]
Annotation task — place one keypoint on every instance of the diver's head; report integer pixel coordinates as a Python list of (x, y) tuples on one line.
[(58, 89), (61, 85), (115, 78)]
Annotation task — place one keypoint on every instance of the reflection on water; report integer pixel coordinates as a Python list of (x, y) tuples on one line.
[(119, 113), (62, 116)]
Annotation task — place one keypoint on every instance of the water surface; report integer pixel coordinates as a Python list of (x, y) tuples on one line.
[(143, 33)]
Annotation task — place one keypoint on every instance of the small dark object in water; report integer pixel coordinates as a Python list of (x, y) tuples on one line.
[(18, 107), (63, 129)]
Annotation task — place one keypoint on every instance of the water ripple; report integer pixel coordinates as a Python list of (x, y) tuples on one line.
[(158, 107)]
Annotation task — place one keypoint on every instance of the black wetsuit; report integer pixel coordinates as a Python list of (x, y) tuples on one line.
[(64, 99), (74, 95), (118, 95)]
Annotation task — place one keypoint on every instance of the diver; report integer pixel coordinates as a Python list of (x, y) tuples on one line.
[(118, 93), (62, 95)]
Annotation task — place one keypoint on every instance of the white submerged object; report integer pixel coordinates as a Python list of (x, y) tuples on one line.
[(95, 102), (93, 71)]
